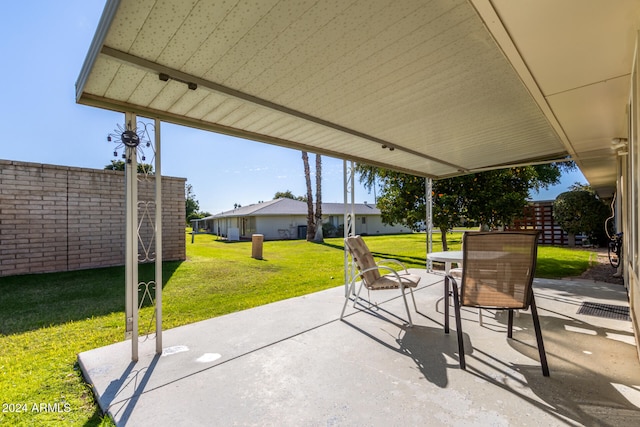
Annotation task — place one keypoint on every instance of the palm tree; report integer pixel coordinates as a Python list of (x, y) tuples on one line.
[(318, 217), (314, 221), (311, 229)]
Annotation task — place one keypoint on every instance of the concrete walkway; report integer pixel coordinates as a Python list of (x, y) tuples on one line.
[(294, 363)]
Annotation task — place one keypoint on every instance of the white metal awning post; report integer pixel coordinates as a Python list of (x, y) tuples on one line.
[(158, 237), (348, 168), (131, 239), (429, 220), (142, 247)]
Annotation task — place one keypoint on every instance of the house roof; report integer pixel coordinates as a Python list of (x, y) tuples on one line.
[(434, 88), (358, 209), (284, 206)]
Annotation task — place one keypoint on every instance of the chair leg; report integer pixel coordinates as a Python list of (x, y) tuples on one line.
[(355, 300), (406, 305), (415, 306), (346, 299), (536, 325), (446, 304), (456, 302), (510, 325)]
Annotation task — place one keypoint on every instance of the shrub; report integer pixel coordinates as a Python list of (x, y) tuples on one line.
[(582, 211)]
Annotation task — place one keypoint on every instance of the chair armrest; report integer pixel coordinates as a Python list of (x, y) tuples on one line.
[(392, 261), (377, 267)]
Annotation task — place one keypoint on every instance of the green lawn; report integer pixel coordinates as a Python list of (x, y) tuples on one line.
[(47, 319)]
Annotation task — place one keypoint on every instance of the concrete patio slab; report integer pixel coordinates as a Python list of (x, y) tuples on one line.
[(295, 363)]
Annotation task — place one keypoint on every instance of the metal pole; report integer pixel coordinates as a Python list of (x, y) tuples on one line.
[(349, 218), (128, 301), (158, 236), (345, 231), (131, 240), (429, 220)]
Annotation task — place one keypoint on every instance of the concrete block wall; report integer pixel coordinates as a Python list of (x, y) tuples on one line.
[(59, 218)]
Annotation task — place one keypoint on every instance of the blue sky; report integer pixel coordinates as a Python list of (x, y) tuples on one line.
[(43, 45)]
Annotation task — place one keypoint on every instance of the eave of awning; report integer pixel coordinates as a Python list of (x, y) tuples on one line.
[(436, 88)]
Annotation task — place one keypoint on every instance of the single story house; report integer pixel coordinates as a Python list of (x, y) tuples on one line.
[(287, 219)]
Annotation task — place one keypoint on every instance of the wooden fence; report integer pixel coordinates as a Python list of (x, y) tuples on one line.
[(539, 216)]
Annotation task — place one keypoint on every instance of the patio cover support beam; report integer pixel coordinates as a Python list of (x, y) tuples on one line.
[(191, 80)]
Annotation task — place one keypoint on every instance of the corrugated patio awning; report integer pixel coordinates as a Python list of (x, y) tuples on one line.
[(434, 88)]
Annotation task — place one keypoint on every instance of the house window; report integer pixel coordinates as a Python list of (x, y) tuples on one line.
[(364, 220)]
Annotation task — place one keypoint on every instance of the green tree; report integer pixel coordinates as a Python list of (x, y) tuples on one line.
[(580, 210), (288, 195), (284, 195), (491, 198), (191, 204), (495, 198), (403, 199), (118, 165), (449, 207)]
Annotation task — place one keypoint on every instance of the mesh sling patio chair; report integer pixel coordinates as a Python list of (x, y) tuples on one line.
[(369, 274), (498, 274)]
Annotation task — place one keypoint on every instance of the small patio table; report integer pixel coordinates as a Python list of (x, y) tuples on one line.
[(447, 257)]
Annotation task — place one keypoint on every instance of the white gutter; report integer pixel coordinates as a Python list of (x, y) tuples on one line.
[(97, 43)]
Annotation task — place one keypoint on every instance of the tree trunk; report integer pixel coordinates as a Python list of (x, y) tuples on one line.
[(443, 234), (318, 217), (311, 229)]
